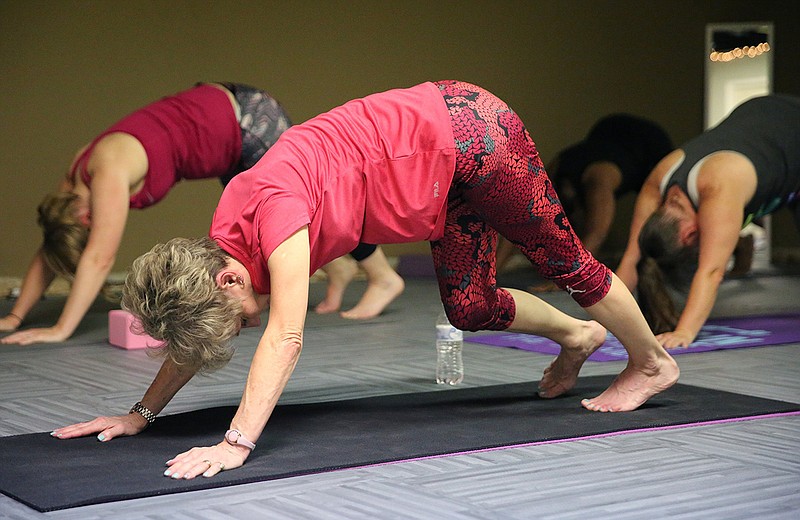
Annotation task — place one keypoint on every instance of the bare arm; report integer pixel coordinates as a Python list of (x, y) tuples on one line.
[(36, 281), (717, 242), (279, 348), (110, 202), (723, 195), (169, 379), (111, 168), (273, 363), (600, 181)]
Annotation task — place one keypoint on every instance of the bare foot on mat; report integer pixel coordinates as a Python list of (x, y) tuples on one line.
[(562, 374), (634, 386)]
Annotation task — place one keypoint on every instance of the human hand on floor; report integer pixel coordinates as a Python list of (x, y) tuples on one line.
[(107, 428), (675, 339), (29, 336), (206, 461)]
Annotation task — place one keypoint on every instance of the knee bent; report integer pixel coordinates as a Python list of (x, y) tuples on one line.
[(475, 316), (588, 285)]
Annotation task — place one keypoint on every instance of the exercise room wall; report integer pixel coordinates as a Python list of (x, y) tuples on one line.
[(71, 68)]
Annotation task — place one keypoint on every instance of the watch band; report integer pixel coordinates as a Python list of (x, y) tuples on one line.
[(236, 438), (144, 411)]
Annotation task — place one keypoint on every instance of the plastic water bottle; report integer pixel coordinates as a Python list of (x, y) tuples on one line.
[(449, 343)]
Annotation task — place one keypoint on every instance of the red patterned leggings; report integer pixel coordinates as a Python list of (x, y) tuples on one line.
[(500, 185)]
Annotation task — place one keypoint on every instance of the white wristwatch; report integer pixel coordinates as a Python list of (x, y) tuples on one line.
[(235, 438)]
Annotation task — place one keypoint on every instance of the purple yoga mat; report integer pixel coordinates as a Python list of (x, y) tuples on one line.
[(716, 334)]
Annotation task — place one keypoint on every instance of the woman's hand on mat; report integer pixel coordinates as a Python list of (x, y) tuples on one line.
[(675, 339), (206, 461), (106, 428), (29, 336)]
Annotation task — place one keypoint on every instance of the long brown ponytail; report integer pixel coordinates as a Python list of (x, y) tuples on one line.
[(665, 263)]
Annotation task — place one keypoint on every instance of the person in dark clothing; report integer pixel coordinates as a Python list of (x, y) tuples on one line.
[(690, 211), (613, 160), (616, 157)]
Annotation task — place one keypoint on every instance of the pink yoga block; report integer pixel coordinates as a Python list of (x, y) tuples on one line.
[(120, 335)]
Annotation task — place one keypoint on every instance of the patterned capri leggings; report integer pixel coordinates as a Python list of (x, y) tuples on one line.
[(500, 185)]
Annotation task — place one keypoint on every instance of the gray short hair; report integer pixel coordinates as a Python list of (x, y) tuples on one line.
[(172, 290)]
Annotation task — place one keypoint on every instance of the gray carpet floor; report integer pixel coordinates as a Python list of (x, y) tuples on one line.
[(743, 470)]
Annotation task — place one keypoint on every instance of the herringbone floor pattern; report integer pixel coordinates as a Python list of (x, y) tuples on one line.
[(743, 470)]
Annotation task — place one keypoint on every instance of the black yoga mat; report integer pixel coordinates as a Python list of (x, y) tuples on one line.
[(49, 474)]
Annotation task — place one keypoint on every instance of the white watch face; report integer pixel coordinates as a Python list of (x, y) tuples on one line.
[(235, 437)]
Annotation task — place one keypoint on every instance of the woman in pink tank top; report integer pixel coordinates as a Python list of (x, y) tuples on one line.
[(210, 131), (195, 134)]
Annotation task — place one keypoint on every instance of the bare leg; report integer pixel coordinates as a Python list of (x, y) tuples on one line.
[(578, 339), (650, 369), (547, 286), (340, 272), (383, 286), (505, 250)]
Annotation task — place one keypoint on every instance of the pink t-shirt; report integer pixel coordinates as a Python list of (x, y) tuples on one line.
[(374, 170), (190, 135)]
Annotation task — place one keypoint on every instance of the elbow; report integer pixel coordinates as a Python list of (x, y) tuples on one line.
[(716, 276), (105, 264), (290, 345), (713, 277), (101, 262)]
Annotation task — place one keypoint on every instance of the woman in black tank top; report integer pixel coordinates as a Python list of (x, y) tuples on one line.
[(689, 213)]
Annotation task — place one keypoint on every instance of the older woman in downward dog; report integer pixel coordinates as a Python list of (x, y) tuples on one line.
[(446, 162)]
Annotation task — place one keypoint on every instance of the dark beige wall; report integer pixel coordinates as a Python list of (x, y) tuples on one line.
[(69, 69)]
